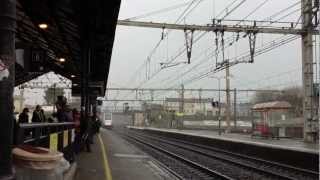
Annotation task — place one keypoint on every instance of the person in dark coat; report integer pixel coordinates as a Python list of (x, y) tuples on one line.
[(88, 136), (38, 115), (43, 117), (24, 117), (61, 115)]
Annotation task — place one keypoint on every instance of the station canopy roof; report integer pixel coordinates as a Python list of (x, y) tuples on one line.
[(271, 105), (62, 28)]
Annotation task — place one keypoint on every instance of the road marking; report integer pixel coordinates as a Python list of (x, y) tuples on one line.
[(107, 170)]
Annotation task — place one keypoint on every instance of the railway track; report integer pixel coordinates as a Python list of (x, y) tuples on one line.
[(232, 165), (181, 167)]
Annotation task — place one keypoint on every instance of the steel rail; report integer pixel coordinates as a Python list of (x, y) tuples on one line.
[(234, 154), (191, 163)]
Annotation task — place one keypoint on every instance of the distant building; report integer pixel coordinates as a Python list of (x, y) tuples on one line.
[(151, 106), (18, 103), (244, 109), (193, 106), (75, 102)]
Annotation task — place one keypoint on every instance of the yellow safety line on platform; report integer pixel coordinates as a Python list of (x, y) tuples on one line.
[(107, 170)]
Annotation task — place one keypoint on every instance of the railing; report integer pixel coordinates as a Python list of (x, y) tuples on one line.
[(56, 136)]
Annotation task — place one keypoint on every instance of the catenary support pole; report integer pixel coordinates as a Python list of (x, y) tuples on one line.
[(219, 110), (7, 71), (228, 111), (235, 108), (310, 131), (83, 89)]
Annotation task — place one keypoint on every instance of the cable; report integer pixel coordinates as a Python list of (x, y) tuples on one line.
[(240, 4), (208, 71), (201, 35), (159, 42), (270, 77), (256, 9), (233, 9), (283, 10), (167, 33), (185, 11), (289, 14), (248, 56), (225, 9), (167, 9), (259, 6), (188, 13), (237, 6)]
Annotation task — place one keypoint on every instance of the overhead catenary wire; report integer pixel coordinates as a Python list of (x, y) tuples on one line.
[(259, 6), (255, 9), (226, 8), (160, 11), (234, 8), (180, 53), (289, 14), (202, 34), (158, 44), (180, 75), (269, 48), (229, 12), (164, 36), (282, 11), (273, 76), (178, 20)]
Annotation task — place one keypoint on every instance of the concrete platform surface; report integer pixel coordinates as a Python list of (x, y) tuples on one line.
[(124, 161), (294, 144)]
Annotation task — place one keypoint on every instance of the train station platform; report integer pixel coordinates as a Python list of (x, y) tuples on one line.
[(283, 143), (113, 158)]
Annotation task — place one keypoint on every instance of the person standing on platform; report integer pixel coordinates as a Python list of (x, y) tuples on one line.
[(77, 139), (88, 137), (44, 119), (38, 115), (64, 113), (24, 117)]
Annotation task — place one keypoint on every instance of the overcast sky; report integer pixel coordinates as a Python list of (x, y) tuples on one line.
[(276, 69)]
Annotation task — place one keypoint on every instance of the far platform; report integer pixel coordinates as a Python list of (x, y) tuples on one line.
[(283, 143)]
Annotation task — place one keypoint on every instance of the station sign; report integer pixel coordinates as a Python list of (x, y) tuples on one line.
[(31, 59), (37, 60)]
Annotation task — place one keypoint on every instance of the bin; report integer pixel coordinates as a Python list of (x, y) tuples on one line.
[(36, 163)]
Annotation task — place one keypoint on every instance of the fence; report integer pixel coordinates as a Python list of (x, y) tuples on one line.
[(56, 136)]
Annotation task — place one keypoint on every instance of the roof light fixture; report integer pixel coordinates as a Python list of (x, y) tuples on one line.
[(43, 26), (62, 59)]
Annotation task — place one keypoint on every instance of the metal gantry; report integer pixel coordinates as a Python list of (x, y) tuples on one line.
[(309, 10), (217, 27)]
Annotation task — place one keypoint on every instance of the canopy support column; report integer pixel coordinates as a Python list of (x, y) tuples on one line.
[(7, 71)]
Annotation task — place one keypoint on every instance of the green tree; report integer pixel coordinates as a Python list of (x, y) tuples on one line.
[(51, 95)]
